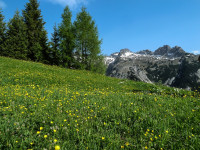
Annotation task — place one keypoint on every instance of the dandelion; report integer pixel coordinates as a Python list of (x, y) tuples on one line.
[(146, 147), (122, 146), (167, 131), (16, 141), (38, 132), (51, 122), (55, 140), (45, 136), (103, 138), (41, 128), (54, 131), (65, 120), (127, 144), (57, 147)]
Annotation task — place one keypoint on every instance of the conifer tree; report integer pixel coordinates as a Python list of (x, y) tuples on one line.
[(55, 51), (66, 38), (87, 40), (2, 34), (37, 36), (16, 39)]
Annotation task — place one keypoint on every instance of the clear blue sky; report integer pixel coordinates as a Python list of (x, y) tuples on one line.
[(133, 24)]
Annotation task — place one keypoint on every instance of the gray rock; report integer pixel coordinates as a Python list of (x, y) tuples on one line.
[(145, 52), (169, 66)]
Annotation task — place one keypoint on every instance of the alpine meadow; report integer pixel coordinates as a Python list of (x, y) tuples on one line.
[(54, 95)]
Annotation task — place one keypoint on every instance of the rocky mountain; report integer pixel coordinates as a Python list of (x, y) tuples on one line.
[(166, 65)]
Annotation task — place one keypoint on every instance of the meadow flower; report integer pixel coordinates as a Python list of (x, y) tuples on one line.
[(122, 146), (38, 132), (45, 136), (103, 138), (41, 128), (55, 140), (54, 131), (146, 147), (57, 147), (127, 144)]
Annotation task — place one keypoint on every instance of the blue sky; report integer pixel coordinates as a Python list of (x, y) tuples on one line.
[(132, 24)]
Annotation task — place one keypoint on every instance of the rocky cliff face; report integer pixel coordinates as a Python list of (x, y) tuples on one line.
[(169, 66)]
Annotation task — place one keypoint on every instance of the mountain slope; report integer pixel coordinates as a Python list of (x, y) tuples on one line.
[(163, 66), (47, 107)]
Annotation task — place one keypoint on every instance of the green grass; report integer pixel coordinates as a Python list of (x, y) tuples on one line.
[(42, 107)]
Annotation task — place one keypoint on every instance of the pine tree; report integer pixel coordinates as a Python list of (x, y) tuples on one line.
[(37, 36), (66, 38), (2, 34), (87, 41), (16, 39), (55, 44)]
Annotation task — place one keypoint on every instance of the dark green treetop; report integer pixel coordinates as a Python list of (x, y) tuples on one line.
[(16, 39), (55, 44), (66, 38), (36, 34), (2, 33)]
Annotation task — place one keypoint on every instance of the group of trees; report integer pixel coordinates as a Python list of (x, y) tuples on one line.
[(73, 45)]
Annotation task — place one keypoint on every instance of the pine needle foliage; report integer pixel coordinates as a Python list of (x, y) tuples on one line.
[(36, 34), (2, 34), (66, 38), (16, 39), (87, 40)]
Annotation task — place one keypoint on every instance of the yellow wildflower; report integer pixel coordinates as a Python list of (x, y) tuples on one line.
[(57, 147)]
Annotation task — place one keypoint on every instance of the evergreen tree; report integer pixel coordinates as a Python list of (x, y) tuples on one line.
[(55, 51), (16, 40), (87, 41), (66, 38), (2, 33), (37, 36)]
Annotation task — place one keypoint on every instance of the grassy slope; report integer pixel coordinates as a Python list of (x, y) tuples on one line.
[(43, 106)]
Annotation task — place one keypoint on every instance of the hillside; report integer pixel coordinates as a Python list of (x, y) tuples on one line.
[(47, 107)]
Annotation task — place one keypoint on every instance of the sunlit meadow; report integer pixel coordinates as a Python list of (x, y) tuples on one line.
[(47, 107)]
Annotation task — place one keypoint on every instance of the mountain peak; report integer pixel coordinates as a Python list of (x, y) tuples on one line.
[(169, 52), (162, 50)]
